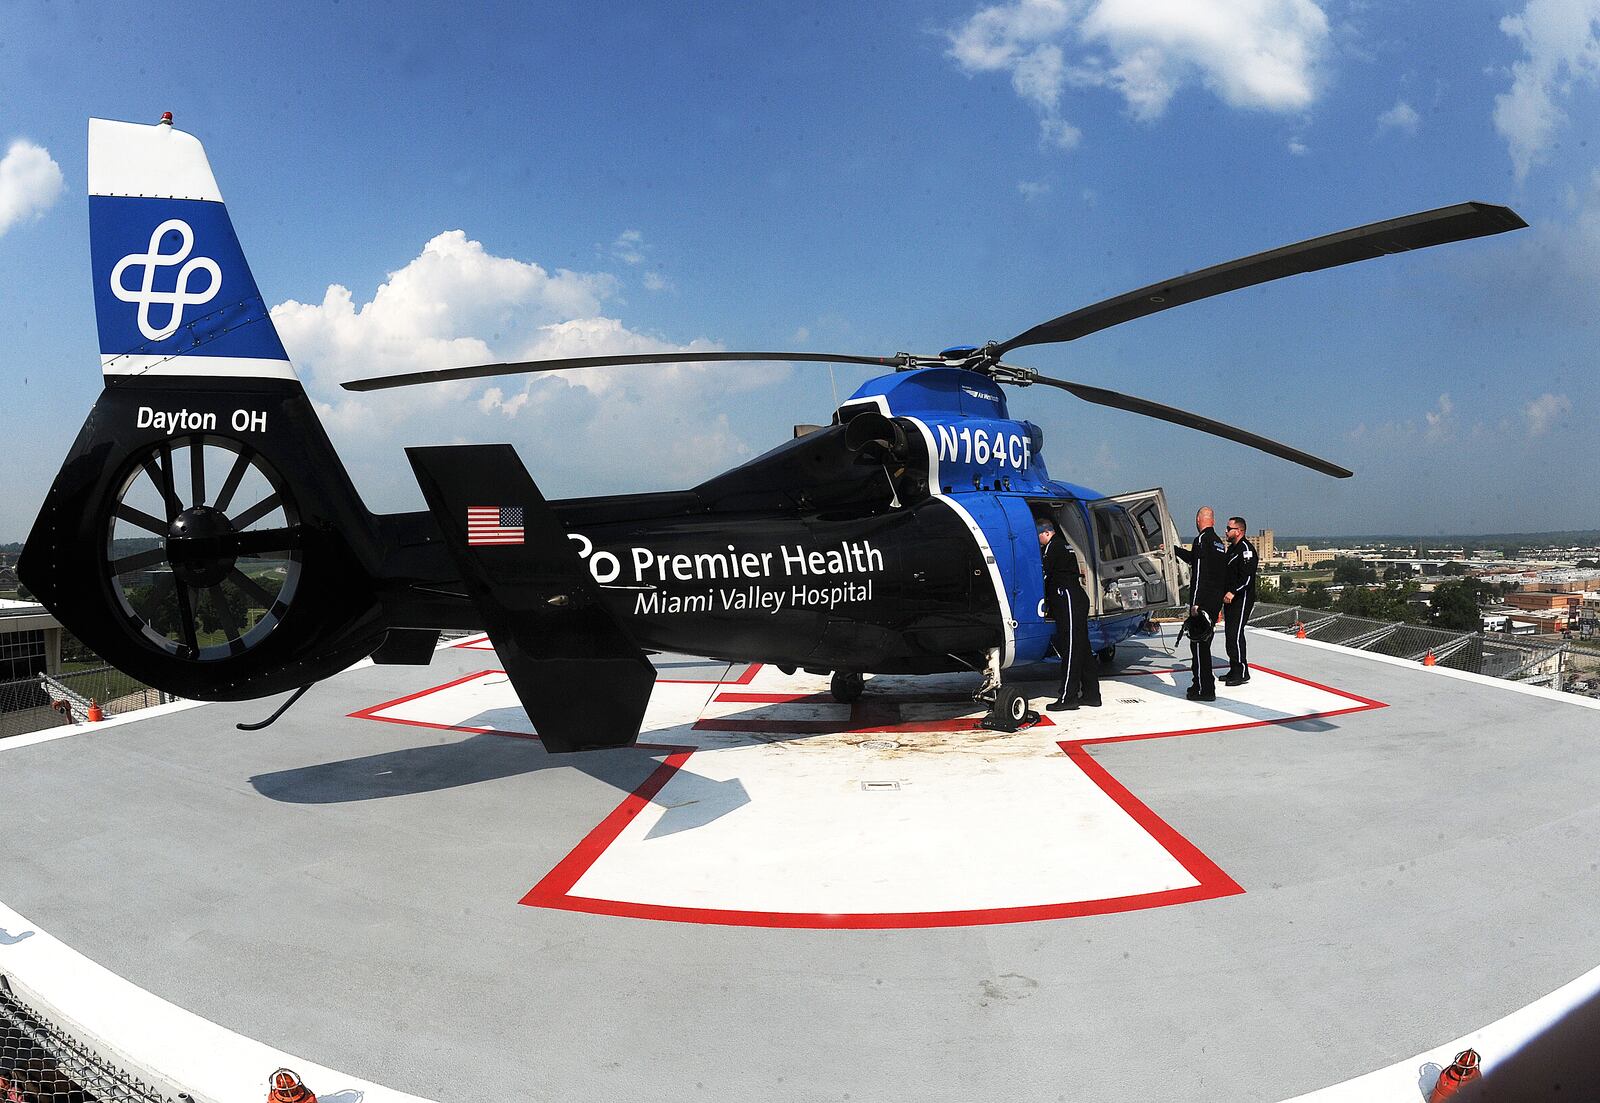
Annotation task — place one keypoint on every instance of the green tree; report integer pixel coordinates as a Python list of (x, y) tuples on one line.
[(1455, 605), (1453, 567), (1348, 571), (1316, 596), (1380, 602), (1398, 572)]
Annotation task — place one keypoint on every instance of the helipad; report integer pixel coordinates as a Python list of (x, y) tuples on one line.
[(777, 896)]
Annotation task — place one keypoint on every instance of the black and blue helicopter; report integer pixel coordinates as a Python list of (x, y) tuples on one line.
[(203, 536)]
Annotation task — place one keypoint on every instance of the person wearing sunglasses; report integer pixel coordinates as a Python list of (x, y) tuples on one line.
[(1240, 599)]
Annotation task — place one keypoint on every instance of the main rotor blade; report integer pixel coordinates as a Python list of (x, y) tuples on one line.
[(1397, 235), (526, 367), (1102, 397)]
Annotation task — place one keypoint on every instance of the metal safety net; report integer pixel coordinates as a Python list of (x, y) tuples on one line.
[(42, 1063)]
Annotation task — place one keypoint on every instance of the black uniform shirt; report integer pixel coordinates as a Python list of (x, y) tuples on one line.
[(1242, 563), (1060, 563), (1209, 558)]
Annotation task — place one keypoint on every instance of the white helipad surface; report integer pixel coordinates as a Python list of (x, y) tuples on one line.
[(777, 806), (1350, 860)]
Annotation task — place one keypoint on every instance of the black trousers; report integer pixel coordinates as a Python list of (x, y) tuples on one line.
[(1205, 680), (1069, 605), (1238, 620)]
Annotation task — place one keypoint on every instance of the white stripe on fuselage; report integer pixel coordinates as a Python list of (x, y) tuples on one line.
[(1008, 646)]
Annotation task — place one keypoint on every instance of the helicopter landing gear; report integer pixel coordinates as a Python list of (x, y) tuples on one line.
[(1008, 706), (846, 686)]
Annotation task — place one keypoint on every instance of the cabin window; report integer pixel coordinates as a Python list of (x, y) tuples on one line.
[(1149, 519), (1115, 534)]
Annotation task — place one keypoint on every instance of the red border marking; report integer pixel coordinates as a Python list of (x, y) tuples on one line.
[(371, 711), (553, 890), (481, 643)]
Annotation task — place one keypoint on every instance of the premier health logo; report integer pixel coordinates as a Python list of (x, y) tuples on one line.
[(180, 296)]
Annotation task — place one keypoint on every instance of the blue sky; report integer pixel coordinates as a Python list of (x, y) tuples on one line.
[(418, 186)]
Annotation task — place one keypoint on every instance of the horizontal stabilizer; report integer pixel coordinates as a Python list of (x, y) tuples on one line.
[(583, 682)]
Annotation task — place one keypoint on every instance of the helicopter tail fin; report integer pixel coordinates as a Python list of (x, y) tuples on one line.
[(173, 295), (202, 535), (581, 679)]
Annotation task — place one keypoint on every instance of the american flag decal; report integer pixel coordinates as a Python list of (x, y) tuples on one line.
[(494, 525)]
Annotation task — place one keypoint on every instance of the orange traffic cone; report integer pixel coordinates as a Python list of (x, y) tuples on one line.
[(1461, 1071), (1299, 629), (95, 715), (1429, 660), (287, 1087)]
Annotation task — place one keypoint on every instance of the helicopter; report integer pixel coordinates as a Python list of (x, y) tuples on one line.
[(203, 536)]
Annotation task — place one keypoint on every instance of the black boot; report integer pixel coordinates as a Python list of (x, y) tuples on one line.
[(1062, 705)]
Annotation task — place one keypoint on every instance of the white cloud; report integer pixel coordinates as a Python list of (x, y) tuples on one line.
[(1562, 50), (442, 309), (458, 304), (1298, 148), (1441, 425), (1543, 412), (629, 247), (1402, 116), (1250, 53), (30, 183), (1259, 54), (655, 281), (1033, 189)]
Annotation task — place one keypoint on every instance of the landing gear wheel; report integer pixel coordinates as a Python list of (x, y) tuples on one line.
[(846, 686), (1107, 655), (1010, 711), (1011, 704)]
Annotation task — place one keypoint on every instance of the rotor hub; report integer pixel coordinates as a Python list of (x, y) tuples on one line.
[(202, 546)]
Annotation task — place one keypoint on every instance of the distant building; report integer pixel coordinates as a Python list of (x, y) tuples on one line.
[(1543, 599), (30, 641), (1264, 545)]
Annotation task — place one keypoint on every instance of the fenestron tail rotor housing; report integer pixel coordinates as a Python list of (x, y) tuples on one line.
[(203, 547)]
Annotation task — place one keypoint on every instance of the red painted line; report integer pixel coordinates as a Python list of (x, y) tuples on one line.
[(874, 716), (776, 698), (560, 880), (369, 713), (867, 921), (553, 891), (1318, 685), (1213, 882)]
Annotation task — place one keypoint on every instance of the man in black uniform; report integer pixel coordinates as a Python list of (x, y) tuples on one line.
[(1209, 559), (1240, 599), (1069, 605)]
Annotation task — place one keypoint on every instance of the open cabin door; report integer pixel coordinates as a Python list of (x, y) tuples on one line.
[(1135, 542)]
